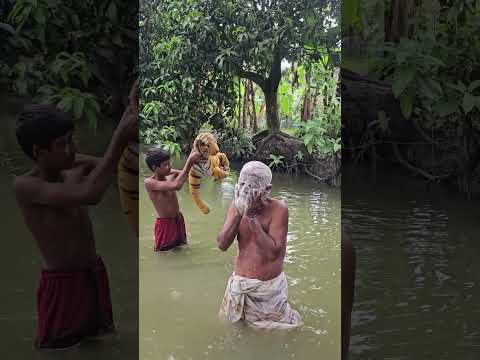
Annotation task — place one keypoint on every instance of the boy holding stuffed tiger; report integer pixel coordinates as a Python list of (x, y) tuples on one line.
[(161, 188)]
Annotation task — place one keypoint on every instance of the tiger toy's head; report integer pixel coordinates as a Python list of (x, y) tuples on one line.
[(217, 166), (206, 144)]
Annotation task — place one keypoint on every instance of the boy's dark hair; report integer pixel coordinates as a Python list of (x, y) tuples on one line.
[(155, 156), (40, 125)]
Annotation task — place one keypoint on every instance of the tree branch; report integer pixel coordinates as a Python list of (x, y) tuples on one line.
[(250, 75), (415, 169), (419, 129), (314, 176)]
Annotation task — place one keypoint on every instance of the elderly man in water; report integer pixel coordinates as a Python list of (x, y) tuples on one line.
[(257, 290)]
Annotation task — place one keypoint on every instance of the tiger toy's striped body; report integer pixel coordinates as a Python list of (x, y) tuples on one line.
[(216, 165), (128, 184)]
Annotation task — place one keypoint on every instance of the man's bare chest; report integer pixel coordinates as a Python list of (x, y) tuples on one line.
[(247, 227)]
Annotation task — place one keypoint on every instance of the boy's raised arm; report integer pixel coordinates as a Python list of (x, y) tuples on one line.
[(176, 183), (175, 172), (89, 191), (167, 185), (86, 163)]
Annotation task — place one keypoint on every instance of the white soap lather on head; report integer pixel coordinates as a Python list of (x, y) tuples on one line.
[(254, 176)]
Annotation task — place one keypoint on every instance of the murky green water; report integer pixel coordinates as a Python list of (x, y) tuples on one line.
[(418, 276), (21, 264), (180, 291)]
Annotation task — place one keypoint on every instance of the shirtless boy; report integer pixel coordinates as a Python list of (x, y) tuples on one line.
[(161, 188), (73, 297), (257, 290)]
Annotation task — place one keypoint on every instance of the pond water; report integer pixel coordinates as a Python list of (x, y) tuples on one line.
[(418, 275), (181, 291), (21, 263)]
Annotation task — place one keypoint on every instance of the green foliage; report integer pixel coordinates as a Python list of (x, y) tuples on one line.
[(165, 137), (298, 156), (49, 54), (194, 52), (181, 84), (248, 33), (277, 161), (322, 132), (70, 68), (72, 100), (433, 67), (435, 74), (316, 135), (414, 66), (236, 143)]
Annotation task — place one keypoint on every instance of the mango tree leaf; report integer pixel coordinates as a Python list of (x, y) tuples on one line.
[(66, 103), (310, 148), (403, 78), (460, 87), (406, 105), (425, 89), (434, 86), (473, 85), (8, 28), (469, 102), (112, 11), (91, 118), (78, 105), (446, 108)]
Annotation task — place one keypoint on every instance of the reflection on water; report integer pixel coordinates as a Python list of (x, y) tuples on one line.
[(21, 264), (181, 291), (417, 270)]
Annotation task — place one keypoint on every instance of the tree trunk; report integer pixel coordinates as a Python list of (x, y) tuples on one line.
[(239, 102), (397, 23), (262, 113), (295, 76), (269, 86), (271, 102), (245, 104), (307, 99), (253, 114)]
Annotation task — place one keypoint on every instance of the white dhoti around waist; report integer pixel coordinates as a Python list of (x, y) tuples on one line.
[(261, 304)]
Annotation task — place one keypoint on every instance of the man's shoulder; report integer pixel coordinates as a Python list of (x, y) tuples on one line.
[(279, 204)]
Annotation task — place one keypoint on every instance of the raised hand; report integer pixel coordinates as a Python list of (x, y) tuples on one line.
[(133, 96), (239, 202), (254, 203), (128, 125), (194, 156)]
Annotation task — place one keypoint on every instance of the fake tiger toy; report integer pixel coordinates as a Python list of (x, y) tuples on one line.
[(128, 184), (217, 166)]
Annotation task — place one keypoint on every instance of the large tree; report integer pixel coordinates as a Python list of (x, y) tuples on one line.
[(243, 39), (254, 37)]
